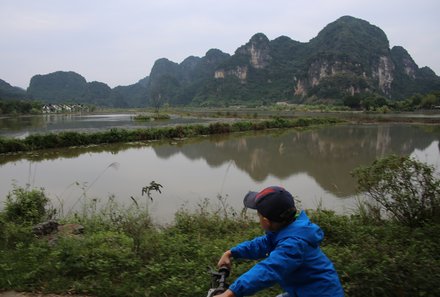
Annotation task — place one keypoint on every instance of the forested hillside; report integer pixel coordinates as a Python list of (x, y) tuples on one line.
[(348, 58)]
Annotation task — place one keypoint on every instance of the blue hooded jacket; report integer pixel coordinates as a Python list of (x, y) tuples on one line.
[(293, 259)]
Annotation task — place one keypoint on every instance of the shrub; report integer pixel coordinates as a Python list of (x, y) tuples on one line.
[(219, 128), (278, 122), (27, 207), (70, 138), (115, 135), (11, 145), (42, 141), (242, 126), (11, 234), (22, 263), (401, 188)]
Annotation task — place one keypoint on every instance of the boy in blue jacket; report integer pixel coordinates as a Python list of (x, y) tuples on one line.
[(290, 251)]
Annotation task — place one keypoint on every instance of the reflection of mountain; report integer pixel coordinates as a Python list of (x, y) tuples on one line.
[(67, 153), (328, 155)]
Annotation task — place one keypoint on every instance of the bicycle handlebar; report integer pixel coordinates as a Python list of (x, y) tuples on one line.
[(218, 281)]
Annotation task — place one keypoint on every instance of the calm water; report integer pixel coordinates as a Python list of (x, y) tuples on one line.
[(21, 127), (314, 165)]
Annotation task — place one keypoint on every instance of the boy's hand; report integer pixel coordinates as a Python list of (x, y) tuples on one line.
[(225, 260)]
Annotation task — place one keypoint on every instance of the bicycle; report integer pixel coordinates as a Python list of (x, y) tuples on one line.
[(218, 281)]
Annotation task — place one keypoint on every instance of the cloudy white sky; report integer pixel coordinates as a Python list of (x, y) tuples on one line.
[(117, 41)]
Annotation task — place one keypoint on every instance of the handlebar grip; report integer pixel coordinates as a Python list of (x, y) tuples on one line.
[(224, 270), (218, 281)]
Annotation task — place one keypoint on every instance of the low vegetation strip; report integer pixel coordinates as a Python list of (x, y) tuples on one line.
[(68, 139)]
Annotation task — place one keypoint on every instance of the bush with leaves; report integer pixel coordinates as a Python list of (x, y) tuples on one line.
[(24, 206), (401, 188)]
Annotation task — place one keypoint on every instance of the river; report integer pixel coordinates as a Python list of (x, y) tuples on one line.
[(314, 165)]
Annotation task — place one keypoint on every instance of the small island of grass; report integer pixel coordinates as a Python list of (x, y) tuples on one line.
[(151, 117)]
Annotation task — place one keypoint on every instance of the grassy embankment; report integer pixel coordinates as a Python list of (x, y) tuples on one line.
[(68, 139), (122, 253)]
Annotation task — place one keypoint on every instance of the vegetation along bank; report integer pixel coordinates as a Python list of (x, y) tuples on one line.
[(68, 139)]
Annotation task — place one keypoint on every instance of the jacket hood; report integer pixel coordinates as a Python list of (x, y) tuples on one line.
[(302, 228)]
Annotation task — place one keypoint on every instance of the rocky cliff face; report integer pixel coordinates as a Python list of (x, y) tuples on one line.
[(254, 54), (257, 51), (384, 73), (404, 60), (380, 76), (348, 57), (178, 84), (239, 72), (349, 48)]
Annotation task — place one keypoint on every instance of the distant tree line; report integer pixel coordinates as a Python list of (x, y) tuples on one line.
[(366, 102), (19, 107), (382, 104)]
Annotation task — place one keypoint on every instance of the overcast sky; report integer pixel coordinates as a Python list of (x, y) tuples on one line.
[(117, 41)]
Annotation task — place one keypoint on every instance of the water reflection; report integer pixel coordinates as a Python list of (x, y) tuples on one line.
[(23, 126), (314, 164), (328, 155)]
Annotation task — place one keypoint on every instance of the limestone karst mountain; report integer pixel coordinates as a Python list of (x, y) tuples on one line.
[(349, 57)]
